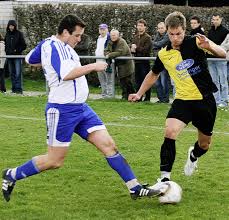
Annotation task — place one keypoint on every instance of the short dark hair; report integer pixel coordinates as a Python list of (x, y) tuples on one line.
[(175, 19), (142, 21), (217, 14), (195, 18), (69, 22)]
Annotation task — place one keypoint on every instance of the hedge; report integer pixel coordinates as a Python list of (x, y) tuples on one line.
[(40, 21)]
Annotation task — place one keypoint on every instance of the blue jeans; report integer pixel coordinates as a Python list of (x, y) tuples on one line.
[(15, 69), (218, 71), (173, 87), (162, 85), (228, 72)]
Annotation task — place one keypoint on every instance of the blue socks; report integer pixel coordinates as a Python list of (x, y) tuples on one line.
[(27, 169), (120, 165), (116, 162)]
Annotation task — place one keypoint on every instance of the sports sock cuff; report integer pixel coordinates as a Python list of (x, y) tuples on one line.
[(113, 156), (132, 184), (121, 166), (25, 170), (165, 174), (35, 165), (169, 140), (198, 151)]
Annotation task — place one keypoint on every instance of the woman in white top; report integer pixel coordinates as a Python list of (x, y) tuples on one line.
[(2, 63)]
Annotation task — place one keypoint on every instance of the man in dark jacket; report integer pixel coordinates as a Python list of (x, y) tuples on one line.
[(218, 69), (82, 49), (196, 26), (14, 45), (141, 47)]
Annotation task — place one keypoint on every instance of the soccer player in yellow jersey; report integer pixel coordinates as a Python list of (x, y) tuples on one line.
[(184, 58)]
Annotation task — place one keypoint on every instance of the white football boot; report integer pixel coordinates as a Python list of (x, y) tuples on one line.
[(190, 166)]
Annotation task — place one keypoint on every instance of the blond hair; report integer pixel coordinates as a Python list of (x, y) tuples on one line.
[(175, 19)]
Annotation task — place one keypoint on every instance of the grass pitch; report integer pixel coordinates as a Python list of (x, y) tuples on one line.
[(86, 188)]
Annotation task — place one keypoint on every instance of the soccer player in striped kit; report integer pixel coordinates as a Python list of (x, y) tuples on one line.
[(67, 113)]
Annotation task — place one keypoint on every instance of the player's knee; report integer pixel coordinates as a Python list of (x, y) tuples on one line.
[(109, 147), (110, 144), (55, 164), (171, 132), (205, 144)]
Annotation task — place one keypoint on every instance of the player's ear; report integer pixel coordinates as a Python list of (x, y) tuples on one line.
[(65, 32)]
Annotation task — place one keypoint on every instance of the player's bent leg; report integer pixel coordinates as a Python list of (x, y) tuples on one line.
[(103, 141), (204, 141), (53, 159), (199, 149), (10, 176), (173, 127), (168, 149)]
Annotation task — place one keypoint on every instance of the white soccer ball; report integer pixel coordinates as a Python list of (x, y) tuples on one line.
[(172, 195)]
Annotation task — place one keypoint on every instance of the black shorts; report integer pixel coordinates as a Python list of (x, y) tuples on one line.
[(201, 113)]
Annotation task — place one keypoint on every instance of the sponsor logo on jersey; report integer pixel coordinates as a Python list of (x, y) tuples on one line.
[(185, 64)]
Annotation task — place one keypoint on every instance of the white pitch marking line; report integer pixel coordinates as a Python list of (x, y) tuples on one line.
[(21, 118), (109, 124), (158, 127)]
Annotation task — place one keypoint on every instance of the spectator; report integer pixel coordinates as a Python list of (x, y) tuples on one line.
[(115, 48), (196, 26), (14, 45), (162, 84), (2, 64), (82, 49), (141, 47), (105, 77), (218, 69)]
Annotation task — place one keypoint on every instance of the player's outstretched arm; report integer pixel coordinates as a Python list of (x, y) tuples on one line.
[(84, 70), (149, 80), (205, 43)]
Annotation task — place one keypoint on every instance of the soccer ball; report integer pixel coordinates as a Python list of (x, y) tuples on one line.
[(171, 192), (172, 195)]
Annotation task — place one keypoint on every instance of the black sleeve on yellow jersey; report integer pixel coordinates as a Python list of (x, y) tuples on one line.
[(158, 66)]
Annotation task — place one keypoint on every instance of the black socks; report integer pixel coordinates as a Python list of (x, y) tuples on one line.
[(197, 152), (167, 155)]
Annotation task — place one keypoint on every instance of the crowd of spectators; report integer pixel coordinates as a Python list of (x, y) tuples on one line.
[(144, 45), (130, 73)]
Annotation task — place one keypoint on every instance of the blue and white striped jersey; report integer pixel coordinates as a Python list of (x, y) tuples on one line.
[(58, 59)]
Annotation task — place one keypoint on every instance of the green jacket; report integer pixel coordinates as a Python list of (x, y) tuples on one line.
[(117, 49)]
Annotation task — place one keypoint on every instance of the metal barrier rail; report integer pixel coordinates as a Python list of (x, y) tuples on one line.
[(104, 58), (113, 64)]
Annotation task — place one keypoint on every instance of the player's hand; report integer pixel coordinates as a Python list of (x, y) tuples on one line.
[(100, 66), (134, 97), (133, 48), (203, 41)]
